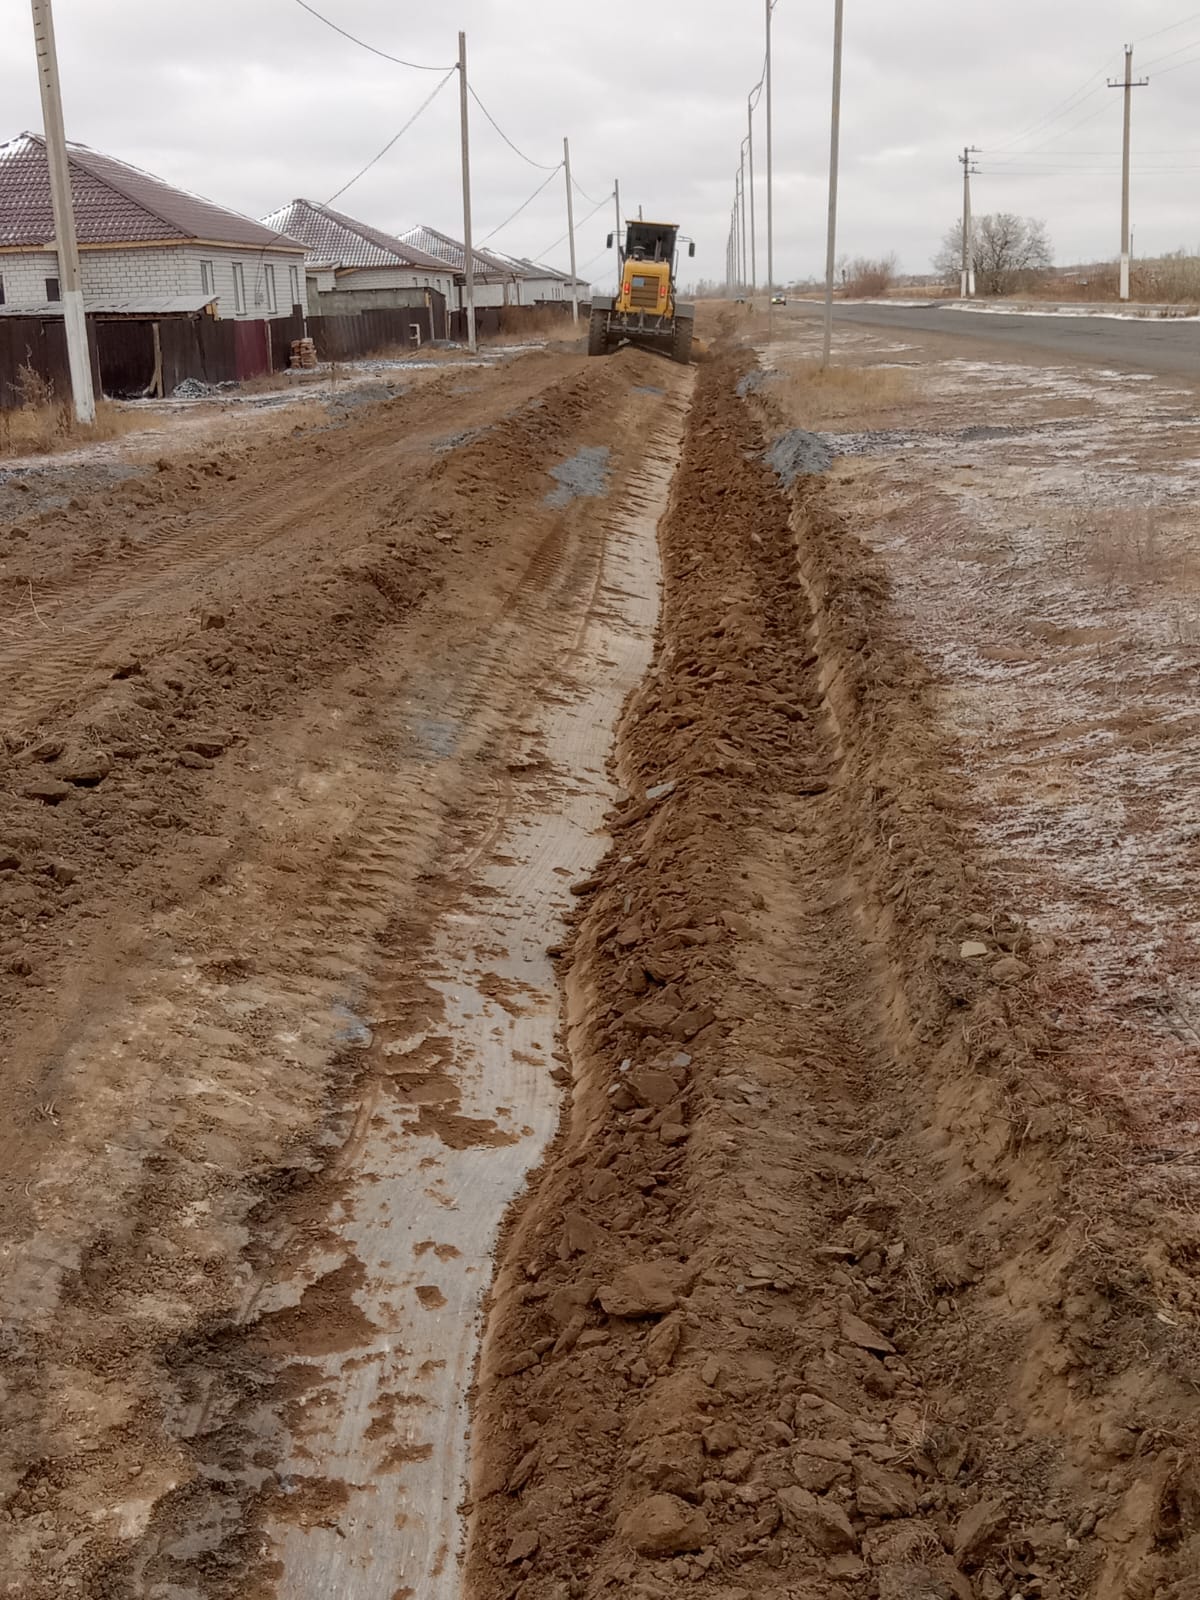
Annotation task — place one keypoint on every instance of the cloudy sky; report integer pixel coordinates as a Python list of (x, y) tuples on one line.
[(255, 102)]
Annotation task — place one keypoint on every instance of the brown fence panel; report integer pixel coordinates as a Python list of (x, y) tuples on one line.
[(126, 351), (39, 343), (252, 345), (282, 331), (368, 333)]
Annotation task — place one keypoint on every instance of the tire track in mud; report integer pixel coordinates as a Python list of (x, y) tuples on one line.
[(807, 1299), (279, 1013), (169, 573)]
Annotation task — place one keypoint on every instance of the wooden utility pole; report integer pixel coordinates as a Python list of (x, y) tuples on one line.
[(770, 186), (1127, 83), (834, 148), (468, 257), (79, 359), (571, 231), (967, 275)]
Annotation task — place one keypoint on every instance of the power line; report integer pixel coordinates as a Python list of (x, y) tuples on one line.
[(584, 195), (395, 139), (1167, 54), (540, 165), (1190, 62), (542, 254), (1061, 108), (1170, 28), (417, 66), (544, 184)]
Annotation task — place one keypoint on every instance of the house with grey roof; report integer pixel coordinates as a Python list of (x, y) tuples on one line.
[(142, 242), (353, 266), (496, 280)]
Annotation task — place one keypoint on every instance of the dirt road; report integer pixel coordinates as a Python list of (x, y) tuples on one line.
[(462, 1141)]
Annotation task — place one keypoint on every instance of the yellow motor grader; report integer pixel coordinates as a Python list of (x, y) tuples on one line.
[(644, 311)]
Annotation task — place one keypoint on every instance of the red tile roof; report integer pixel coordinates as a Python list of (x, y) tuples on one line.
[(333, 239), (114, 203)]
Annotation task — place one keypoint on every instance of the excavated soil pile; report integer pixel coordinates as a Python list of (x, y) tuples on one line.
[(828, 1288)]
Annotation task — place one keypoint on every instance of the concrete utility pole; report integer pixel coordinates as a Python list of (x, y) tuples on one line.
[(617, 199), (770, 185), (750, 166), (834, 148), (468, 257), (967, 275), (79, 359), (571, 231), (1127, 83)]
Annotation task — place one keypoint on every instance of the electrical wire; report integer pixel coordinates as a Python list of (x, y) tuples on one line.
[(544, 183), (395, 139), (1190, 62), (1062, 108), (1148, 66), (1170, 28), (417, 66), (540, 165), (584, 195), (542, 254)]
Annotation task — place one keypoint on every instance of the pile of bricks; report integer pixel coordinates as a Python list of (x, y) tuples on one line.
[(304, 353)]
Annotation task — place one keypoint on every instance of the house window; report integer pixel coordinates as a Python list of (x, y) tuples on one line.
[(239, 288), (208, 278), (272, 299), (294, 276), (1, 291), (52, 289)]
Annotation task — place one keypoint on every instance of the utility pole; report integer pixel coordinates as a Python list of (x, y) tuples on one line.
[(617, 198), (967, 275), (79, 358), (1128, 84), (571, 231), (834, 148), (468, 257), (770, 186), (750, 163)]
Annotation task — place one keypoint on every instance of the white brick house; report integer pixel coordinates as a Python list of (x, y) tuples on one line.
[(497, 281), (355, 267), (139, 240)]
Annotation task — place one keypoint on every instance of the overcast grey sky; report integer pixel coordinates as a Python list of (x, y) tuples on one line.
[(254, 102)]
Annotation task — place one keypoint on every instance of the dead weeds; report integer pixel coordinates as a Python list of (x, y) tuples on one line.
[(844, 393)]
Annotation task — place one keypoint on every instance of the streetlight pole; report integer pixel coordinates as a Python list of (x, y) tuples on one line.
[(66, 242), (834, 143), (750, 165)]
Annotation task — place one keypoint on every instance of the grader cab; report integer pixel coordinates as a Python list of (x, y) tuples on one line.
[(645, 311)]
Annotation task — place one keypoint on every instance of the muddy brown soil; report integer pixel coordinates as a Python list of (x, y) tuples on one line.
[(254, 704), (833, 1285)]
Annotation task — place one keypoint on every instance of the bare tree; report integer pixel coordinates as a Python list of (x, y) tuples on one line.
[(865, 276), (1006, 251)]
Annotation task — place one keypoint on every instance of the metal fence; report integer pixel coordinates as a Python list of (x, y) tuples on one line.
[(137, 356)]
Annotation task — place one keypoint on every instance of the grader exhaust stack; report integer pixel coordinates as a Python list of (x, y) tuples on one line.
[(645, 311)]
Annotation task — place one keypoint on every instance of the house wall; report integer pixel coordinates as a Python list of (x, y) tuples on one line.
[(171, 270), (362, 280), (343, 302)]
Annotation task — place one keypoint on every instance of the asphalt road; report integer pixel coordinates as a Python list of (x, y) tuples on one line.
[(1166, 347)]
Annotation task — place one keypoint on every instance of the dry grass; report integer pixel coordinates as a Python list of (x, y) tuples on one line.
[(1133, 545), (844, 393), (36, 430)]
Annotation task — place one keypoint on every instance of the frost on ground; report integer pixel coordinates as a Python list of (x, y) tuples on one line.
[(1039, 526)]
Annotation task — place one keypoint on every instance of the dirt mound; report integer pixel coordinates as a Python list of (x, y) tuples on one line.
[(829, 1287)]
